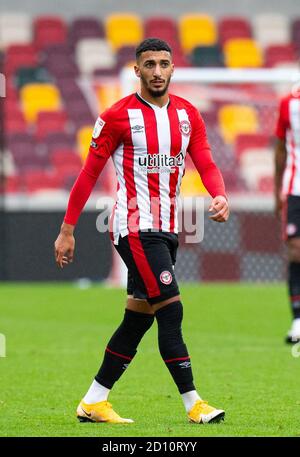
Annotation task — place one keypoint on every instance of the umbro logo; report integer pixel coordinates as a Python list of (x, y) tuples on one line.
[(137, 128), (185, 364)]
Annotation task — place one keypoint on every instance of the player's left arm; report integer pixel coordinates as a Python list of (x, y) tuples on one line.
[(211, 176)]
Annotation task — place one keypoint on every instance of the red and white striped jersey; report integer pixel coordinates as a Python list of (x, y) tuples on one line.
[(288, 129), (148, 145)]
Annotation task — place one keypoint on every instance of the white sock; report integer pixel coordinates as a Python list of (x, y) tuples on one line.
[(189, 399), (96, 393)]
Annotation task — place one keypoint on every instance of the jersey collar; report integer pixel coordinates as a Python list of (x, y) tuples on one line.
[(155, 107)]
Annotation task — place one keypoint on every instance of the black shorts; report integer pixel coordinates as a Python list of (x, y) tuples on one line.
[(150, 258), (292, 226)]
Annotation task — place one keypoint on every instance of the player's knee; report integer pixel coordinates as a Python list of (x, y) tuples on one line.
[(169, 319)]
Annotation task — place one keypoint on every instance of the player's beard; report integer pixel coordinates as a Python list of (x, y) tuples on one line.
[(156, 93)]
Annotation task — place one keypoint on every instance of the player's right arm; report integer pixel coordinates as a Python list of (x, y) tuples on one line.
[(104, 142), (280, 154)]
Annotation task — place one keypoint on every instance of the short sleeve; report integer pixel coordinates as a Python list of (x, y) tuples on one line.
[(105, 136)]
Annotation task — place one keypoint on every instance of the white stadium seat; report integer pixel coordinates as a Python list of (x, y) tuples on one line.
[(94, 53), (271, 28), (15, 28)]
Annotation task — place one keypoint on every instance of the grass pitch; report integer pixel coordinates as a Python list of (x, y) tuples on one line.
[(56, 334)]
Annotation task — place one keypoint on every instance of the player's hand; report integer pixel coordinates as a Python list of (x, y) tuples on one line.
[(64, 246), (219, 207)]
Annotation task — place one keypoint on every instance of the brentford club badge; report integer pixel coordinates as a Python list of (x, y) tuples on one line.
[(291, 229), (166, 277), (185, 127)]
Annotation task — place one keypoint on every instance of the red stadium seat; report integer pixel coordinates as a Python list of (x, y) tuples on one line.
[(50, 122), (162, 27), (13, 184), (249, 141), (49, 30), (85, 27), (233, 27), (38, 180), (65, 158), (15, 123), (296, 34), (22, 55), (280, 54)]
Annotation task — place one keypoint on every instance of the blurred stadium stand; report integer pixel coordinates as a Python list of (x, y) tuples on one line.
[(62, 70)]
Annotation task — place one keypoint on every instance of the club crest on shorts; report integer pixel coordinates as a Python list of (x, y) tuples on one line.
[(185, 127), (291, 229), (98, 127), (165, 277)]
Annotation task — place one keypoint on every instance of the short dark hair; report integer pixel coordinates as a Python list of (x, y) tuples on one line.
[(152, 44)]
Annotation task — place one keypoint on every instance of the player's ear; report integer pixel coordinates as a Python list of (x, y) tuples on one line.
[(137, 71), (172, 71)]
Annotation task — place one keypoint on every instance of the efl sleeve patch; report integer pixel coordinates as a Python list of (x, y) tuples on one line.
[(100, 123)]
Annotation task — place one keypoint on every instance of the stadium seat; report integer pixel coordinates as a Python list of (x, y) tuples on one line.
[(207, 56), (250, 141), (124, 30), (15, 28), (125, 55), (28, 75), (12, 184), (60, 50), (223, 153), (296, 34), (94, 53), (192, 184), (69, 88), (61, 66), (25, 154), (79, 112), (58, 140), (49, 30), (163, 27), (22, 55), (271, 28), (84, 136), (85, 27), (65, 158), (107, 95), (242, 53), (15, 123), (233, 27), (197, 30), (276, 55), (39, 97), (37, 180), (237, 119), (50, 122), (255, 164)]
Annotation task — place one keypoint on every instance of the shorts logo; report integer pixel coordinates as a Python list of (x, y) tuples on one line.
[(291, 229), (166, 277), (100, 123), (185, 128)]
